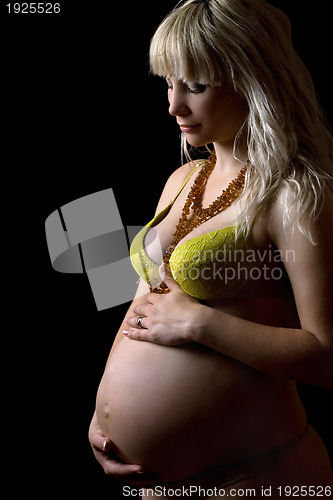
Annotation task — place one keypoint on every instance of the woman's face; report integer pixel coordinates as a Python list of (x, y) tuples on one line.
[(204, 113)]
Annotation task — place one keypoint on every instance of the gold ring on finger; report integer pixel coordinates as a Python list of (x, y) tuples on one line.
[(139, 321)]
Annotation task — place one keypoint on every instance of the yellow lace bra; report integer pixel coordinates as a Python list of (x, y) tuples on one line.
[(211, 266)]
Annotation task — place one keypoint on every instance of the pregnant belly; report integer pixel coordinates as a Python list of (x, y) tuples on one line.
[(171, 409)]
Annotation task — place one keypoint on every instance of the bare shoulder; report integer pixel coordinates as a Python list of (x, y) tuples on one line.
[(277, 225), (175, 181)]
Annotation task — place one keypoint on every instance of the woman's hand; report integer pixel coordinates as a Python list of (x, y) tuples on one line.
[(168, 319), (101, 447)]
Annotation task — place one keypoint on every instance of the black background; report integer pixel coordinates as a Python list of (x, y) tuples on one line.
[(81, 114)]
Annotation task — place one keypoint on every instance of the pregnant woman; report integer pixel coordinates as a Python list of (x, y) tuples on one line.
[(235, 302)]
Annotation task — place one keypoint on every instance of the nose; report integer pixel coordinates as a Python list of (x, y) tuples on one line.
[(177, 101)]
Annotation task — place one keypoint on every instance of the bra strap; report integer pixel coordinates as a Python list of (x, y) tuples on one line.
[(186, 181)]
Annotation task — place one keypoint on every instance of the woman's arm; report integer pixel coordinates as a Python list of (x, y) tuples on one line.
[(281, 352), (304, 355)]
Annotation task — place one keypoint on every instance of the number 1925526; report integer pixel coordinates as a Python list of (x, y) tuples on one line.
[(33, 8)]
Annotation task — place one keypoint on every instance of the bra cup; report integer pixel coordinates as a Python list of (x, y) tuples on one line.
[(212, 266), (147, 269)]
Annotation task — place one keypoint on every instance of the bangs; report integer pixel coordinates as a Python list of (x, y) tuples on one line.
[(181, 48)]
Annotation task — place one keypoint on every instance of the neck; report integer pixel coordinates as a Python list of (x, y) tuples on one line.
[(225, 160)]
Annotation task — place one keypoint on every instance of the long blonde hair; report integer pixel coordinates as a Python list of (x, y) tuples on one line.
[(248, 44)]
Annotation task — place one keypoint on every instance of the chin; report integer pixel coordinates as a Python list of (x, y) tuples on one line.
[(196, 144)]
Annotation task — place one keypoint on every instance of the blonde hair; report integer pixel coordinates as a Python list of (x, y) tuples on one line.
[(248, 44)]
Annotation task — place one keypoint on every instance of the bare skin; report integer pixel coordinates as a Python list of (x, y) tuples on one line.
[(273, 332)]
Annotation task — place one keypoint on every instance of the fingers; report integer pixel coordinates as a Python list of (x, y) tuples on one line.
[(133, 322), (137, 334), (106, 445), (128, 473), (96, 437), (142, 310), (102, 449), (167, 277), (120, 471), (101, 446), (110, 463), (140, 313)]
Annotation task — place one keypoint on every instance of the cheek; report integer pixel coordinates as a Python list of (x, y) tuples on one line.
[(228, 114), (213, 109), (207, 109), (217, 117)]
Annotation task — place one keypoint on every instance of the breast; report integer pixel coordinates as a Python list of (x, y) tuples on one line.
[(215, 265), (160, 405)]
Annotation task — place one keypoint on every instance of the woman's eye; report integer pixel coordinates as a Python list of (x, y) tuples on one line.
[(197, 88), (194, 88)]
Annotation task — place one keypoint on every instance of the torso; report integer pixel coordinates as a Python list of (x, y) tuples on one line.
[(181, 410)]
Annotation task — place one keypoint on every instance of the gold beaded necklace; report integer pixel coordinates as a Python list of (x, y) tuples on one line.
[(201, 215)]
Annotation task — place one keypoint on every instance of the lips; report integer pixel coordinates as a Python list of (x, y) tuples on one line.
[(188, 128)]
